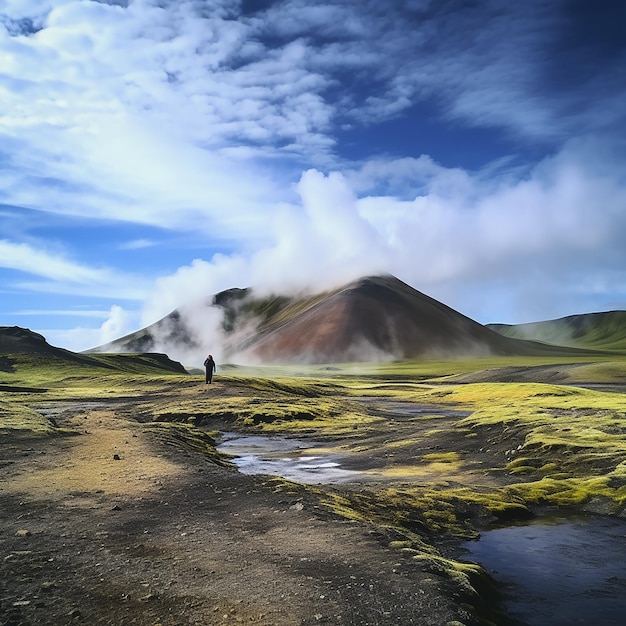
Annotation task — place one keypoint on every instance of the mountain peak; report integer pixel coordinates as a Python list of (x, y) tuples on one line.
[(374, 318)]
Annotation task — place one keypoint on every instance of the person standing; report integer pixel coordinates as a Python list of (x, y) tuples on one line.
[(209, 364)]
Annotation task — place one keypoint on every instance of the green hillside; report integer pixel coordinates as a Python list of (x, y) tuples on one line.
[(27, 357), (598, 331)]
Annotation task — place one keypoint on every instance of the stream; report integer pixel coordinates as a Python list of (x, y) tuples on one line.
[(293, 459), (553, 572), (559, 571)]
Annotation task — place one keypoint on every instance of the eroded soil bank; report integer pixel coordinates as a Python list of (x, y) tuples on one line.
[(121, 522)]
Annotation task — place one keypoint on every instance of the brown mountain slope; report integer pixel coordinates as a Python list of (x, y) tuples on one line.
[(377, 318)]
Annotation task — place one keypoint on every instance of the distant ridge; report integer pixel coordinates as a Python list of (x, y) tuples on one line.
[(23, 346), (599, 331), (376, 318), (17, 340)]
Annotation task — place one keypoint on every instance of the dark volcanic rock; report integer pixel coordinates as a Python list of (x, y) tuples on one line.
[(14, 339)]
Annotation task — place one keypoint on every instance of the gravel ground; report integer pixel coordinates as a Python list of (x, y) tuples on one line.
[(116, 526)]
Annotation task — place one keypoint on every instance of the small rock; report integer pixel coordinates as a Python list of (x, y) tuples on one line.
[(23, 533), (116, 457)]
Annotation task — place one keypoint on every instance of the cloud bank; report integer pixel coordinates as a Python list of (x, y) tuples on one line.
[(285, 145)]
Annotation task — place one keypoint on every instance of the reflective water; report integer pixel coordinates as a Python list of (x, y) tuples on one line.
[(280, 456), (559, 572), (311, 462)]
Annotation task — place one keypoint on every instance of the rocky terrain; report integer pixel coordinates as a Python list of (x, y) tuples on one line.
[(116, 521)]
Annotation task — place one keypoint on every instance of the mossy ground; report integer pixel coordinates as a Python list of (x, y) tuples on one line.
[(484, 452)]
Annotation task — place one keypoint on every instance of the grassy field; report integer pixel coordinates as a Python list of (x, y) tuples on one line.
[(553, 444), (503, 439)]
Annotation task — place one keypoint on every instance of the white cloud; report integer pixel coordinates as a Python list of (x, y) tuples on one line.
[(25, 258), (74, 339), (194, 117), (121, 113), (63, 275), (548, 233), (156, 112), (118, 324), (189, 283), (137, 244)]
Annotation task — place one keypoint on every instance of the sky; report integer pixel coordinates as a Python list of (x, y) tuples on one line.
[(155, 152)]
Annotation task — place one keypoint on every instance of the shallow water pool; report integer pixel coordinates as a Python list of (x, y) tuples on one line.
[(559, 572), (292, 459)]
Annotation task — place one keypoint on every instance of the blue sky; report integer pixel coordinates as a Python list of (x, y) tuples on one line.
[(154, 152)]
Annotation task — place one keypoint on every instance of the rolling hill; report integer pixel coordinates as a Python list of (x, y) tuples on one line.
[(23, 347), (377, 318), (597, 331)]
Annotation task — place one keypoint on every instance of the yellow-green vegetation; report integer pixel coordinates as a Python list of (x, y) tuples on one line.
[(441, 474), (551, 445), (575, 491), (565, 430), (320, 415), (441, 457), (118, 375), (273, 406), (187, 437), (41, 378), (463, 575), (419, 516), (571, 441), (601, 331), (22, 420), (601, 372)]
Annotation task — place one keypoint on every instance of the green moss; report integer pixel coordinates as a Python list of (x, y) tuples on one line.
[(463, 575), (606, 372), (442, 457), (186, 436), (569, 492), (274, 413), (564, 446), (17, 419), (521, 469)]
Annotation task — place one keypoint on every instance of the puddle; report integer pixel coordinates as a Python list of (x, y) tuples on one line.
[(559, 572), (292, 459), (310, 462), (400, 408)]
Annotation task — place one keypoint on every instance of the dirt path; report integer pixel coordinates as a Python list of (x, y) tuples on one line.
[(114, 526)]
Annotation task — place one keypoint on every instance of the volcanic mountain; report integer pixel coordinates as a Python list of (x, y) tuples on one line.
[(377, 318)]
